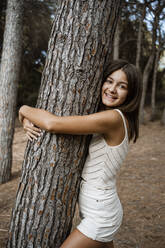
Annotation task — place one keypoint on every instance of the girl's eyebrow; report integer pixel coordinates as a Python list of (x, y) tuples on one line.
[(108, 80)]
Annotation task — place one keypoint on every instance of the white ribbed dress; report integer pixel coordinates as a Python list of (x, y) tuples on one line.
[(100, 208)]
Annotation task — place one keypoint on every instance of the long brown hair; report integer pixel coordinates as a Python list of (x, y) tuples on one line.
[(130, 107)]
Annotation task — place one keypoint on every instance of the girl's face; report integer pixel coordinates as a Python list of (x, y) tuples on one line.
[(115, 89)]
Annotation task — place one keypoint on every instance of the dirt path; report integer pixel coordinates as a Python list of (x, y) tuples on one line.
[(141, 187)]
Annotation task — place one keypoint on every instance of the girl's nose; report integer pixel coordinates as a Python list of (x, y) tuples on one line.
[(113, 88)]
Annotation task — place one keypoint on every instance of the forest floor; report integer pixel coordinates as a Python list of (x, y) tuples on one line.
[(141, 187)]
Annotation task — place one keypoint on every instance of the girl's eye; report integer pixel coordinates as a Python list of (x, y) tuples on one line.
[(122, 86), (109, 81)]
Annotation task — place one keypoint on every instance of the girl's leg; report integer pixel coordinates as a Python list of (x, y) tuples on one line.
[(78, 240), (109, 245)]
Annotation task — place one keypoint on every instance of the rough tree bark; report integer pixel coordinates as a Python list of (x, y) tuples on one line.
[(9, 74), (79, 46)]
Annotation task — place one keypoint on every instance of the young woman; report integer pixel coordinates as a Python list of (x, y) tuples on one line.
[(112, 127)]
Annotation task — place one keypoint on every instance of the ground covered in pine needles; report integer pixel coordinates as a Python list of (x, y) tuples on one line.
[(141, 187)]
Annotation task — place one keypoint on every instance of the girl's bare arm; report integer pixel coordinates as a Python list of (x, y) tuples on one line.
[(101, 122)]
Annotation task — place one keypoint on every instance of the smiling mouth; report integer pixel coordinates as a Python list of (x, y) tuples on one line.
[(110, 96)]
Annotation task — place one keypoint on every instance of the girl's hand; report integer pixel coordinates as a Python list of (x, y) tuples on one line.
[(31, 131)]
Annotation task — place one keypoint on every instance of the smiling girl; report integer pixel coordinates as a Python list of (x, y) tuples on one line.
[(112, 127)]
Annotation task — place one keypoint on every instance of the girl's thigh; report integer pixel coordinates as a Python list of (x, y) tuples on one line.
[(78, 240), (109, 245)]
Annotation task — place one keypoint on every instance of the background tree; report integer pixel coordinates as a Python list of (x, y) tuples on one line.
[(163, 117), (140, 30), (153, 95), (32, 61), (79, 49), (160, 46), (116, 42), (156, 10), (9, 74)]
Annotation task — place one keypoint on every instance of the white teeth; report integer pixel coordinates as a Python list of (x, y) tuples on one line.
[(112, 97)]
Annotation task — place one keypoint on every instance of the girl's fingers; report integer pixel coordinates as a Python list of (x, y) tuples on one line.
[(32, 128), (33, 132), (31, 135), (28, 124), (35, 129), (29, 138)]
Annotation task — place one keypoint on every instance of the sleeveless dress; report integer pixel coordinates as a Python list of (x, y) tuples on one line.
[(100, 208)]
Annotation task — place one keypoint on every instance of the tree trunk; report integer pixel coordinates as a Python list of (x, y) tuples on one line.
[(163, 117), (153, 107), (149, 64), (139, 39), (116, 42), (146, 74), (9, 75), (80, 41)]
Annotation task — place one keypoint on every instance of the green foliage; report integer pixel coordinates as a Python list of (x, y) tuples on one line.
[(36, 31), (37, 26)]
